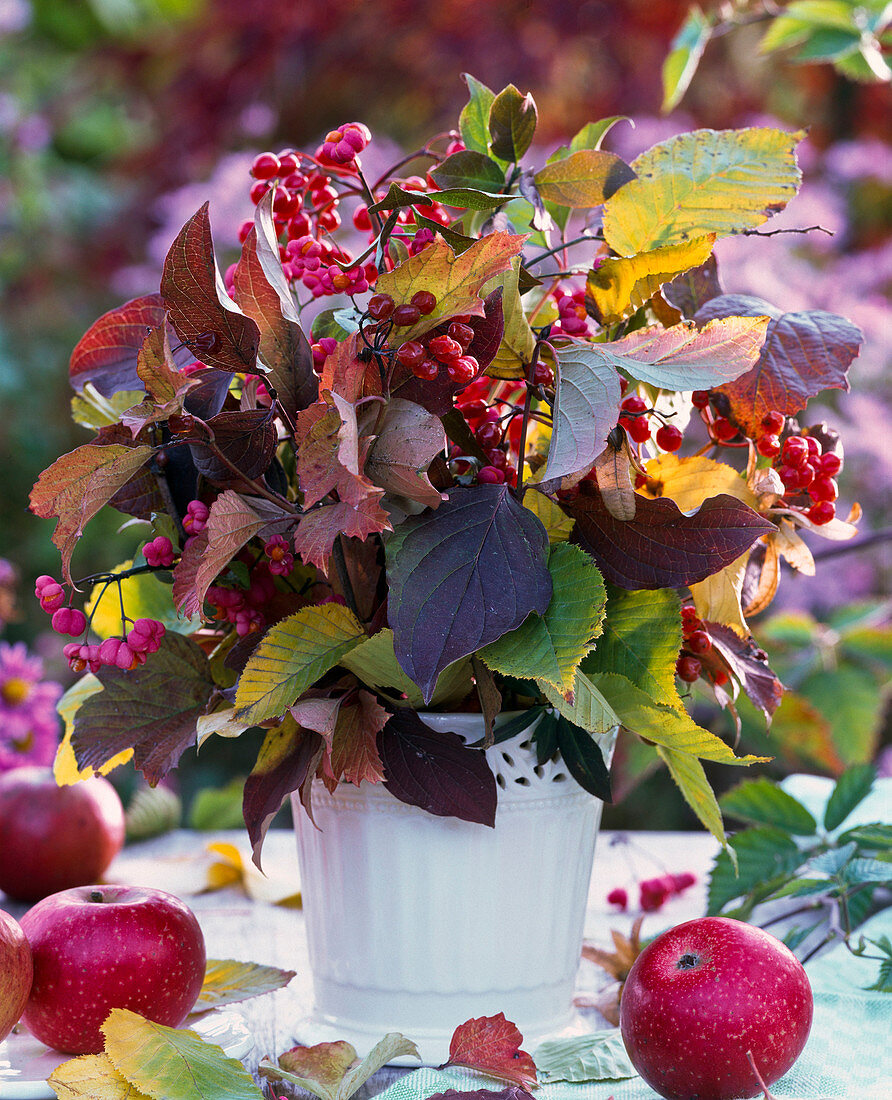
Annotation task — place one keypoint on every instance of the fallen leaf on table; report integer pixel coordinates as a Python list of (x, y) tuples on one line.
[(512, 1092), (600, 1056), (227, 981), (230, 868), (92, 1077), (617, 963), (491, 1045), (332, 1071)]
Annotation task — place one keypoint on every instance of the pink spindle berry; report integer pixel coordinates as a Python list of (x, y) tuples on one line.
[(69, 620), (50, 593), (196, 517), (159, 552)]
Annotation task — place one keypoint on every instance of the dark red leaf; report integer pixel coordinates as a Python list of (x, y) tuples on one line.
[(491, 1045), (106, 354), (436, 770), (804, 353), (462, 576), (749, 664), (219, 335), (207, 398), (662, 547), (153, 709), (247, 439)]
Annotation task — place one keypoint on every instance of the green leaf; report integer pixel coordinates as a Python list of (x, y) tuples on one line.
[(797, 935), (473, 122), (584, 759), (663, 725), (328, 1086), (763, 855), (869, 836), (800, 888), (703, 182), (867, 870), (593, 133), (512, 123), (550, 647), (832, 861), (467, 198), (587, 707), (690, 778), (166, 1061), (684, 56), (292, 657), (468, 168), (227, 981), (374, 662), (583, 179), (600, 1056), (868, 645), (852, 787), (854, 706), (641, 640), (764, 803)]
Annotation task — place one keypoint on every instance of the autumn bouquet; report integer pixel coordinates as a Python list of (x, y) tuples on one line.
[(530, 458)]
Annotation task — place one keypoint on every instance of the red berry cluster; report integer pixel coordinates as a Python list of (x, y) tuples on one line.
[(696, 643), (244, 607), (493, 414), (653, 893), (809, 474), (633, 417)]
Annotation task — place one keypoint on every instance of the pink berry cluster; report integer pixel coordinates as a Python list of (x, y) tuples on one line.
[(244, 607), (125, 653), (572, 316), (653, 893), (196, 518), (341, 146), (311, 261), (65, 619), (159, 552), (281, 560)]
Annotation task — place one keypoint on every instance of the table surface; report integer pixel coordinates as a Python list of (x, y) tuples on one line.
[(246, 923)]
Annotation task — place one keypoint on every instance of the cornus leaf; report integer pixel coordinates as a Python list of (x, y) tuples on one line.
[(156, 367), (473, 122), (227, 981), (550, 647), (106, 355), (167, 1061), (663, 547), (247, 441), (620, 285), (469, 168), (263, 293), (491, 1045), (686, 357), (201, 312), (287, 758), (512, 123), (93, 1077), (804, 353), (583, 179), (374, 663), (456, 281), (749, 665), (586, 408), (496, 575), (292, 656), (78, 484), (153, 709), (408, 437), (353, 754), (435, 770), (640, 640), (703, 182)]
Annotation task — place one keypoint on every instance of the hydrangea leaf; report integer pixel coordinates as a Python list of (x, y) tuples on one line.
[(550, 647), (705, 181), (291, 658)]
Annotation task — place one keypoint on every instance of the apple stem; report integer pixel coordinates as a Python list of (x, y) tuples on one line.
[(768, 1095), (96, 895)]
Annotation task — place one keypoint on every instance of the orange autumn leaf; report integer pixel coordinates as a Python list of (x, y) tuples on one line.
[(491, 1045)]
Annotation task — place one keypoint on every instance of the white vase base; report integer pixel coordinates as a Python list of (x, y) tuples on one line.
[(433, 1046)]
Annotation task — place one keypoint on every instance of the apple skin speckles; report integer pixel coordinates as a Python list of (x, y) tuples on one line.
[(702, 995)]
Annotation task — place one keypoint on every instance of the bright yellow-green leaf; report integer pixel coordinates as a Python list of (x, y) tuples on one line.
[(620, 285), (586, 707), (222, 722), (65, 767), (583, 179), (674, 729), (227, 981), (292, 656), (91, 409), (554, 519), (690, 778), (456, 281), (706, 181), (518, 341), (550, 647), (690, 481), (684, 56), (144, 596), (93, 1077), (374, 662)]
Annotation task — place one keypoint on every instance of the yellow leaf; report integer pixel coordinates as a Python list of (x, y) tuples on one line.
[(706, 181), (791, 547), (228, 870), (769, 577), (583, 179), (622, 284), (455, 281), (553, 518), (228, 981), (518, 341), (65, 767), (222, 722), (92, 1077), (690, 778), (717, 598), (690, 481)]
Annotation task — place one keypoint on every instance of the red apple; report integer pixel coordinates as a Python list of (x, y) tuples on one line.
[(51, 837), (96, 948), (702, 995), (15, 973)]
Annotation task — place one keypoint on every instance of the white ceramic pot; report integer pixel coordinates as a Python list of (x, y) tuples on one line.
[(417, 923)]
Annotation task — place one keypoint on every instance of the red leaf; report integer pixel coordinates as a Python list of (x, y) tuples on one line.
[(663, 547), (247, 440), (803, 354), (107, 352), (750, 666), (436, 770), (318, 529), (491, 1045), (353, 753), (200, 312)]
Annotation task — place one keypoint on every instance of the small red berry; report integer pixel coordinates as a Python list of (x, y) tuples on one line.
[(688, 669), (405, 315), (698, 642), (543, 375), (425, 301), (795, 451), (634, 404), (700, 399), (722, 429), (772, 422), (463, 369), (669, 438), (461, 333), (445, 348), (489, 475), (619, 897), (829, 464), (638, 429), (362, 220), (265, 166), (821, 512), (488, 435), (410, 353), (824, 488), (427, 370), (380, 306), (768, 445)]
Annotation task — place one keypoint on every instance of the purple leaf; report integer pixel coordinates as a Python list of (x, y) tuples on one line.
[(692, 289), (663, 547), (462, 576), (207, 399), (106, 354), (152, 709), (247, 439), (436, 770), (803, 354)]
